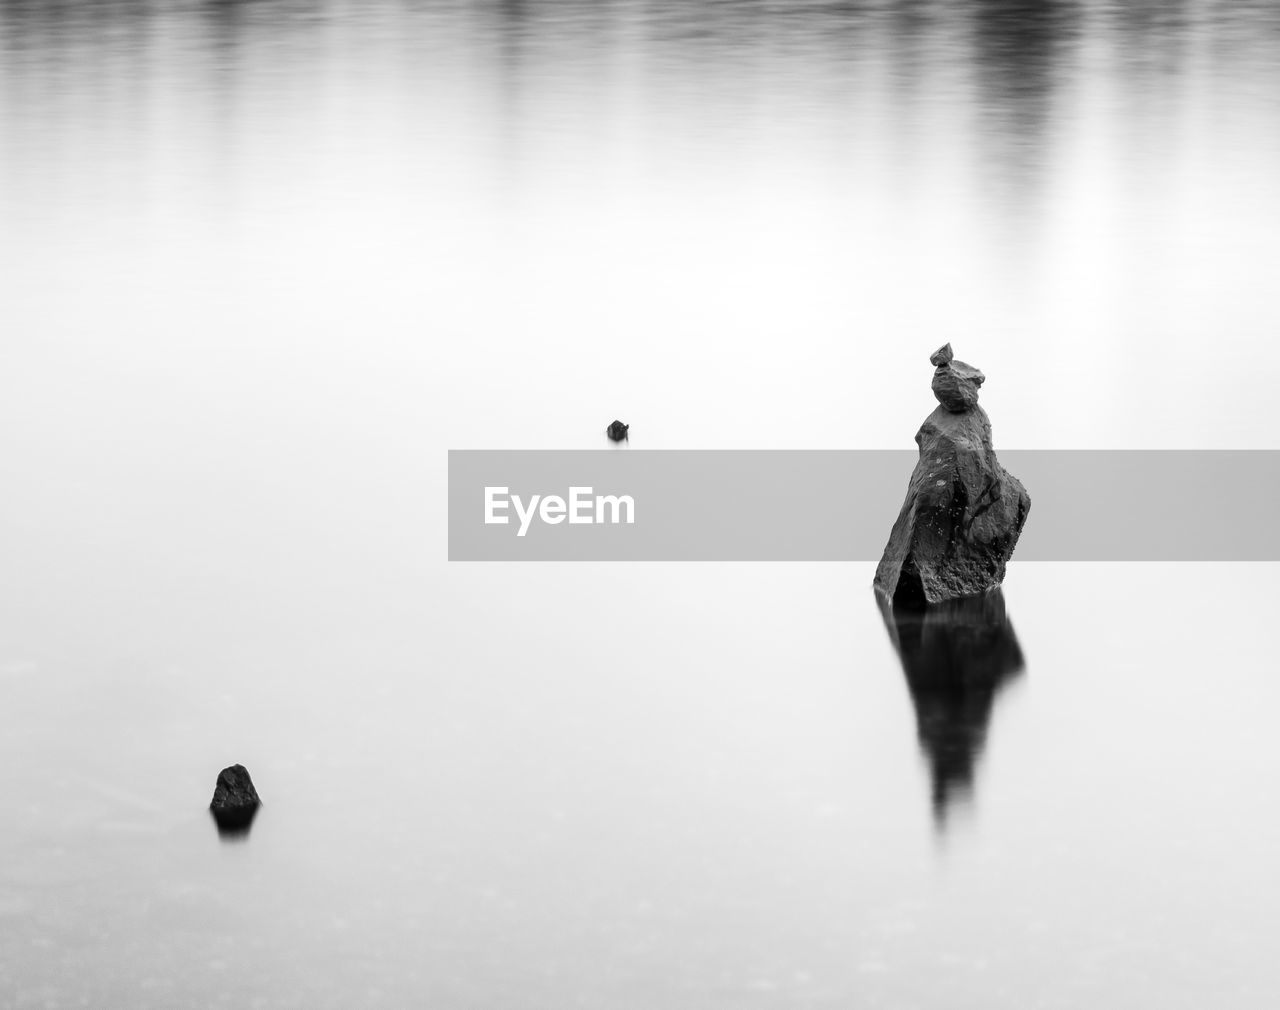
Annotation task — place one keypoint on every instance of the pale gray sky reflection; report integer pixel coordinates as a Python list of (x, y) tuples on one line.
[(263, 263)]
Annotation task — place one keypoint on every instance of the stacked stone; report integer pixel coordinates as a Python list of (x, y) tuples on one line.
[(955, 383), (963, 512)]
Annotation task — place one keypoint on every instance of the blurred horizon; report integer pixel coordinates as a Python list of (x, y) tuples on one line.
[(592, 203)]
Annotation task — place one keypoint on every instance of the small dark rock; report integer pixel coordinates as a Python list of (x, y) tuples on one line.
[(942, 356), (235, 801), (617, 431)]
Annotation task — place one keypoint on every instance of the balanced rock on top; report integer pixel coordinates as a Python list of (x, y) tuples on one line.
[(963, 512), (955, 383)]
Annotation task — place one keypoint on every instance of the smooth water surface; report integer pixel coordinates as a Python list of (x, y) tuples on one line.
[(263, 263)]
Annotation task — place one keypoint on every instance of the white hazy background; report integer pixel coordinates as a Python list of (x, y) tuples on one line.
[(263, 263)]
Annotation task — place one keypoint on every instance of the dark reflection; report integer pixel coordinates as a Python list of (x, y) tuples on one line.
[(234, 826), (1153, 46), (957, 656), (1020, 49)]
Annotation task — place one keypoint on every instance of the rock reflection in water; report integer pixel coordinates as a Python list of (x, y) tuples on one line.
[(956, 656), (235, 829)]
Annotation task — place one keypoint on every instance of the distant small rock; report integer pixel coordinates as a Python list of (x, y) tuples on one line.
[(235, 801), (617, 431)]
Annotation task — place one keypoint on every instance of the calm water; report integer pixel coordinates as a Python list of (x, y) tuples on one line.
[(262, 263)]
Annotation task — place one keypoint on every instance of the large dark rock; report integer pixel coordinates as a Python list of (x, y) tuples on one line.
[(235, 801), (963, 512)]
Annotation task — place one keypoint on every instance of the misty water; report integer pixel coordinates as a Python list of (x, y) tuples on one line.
[(263, 263)]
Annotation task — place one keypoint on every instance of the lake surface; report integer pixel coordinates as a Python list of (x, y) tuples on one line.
[(263, 263)]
